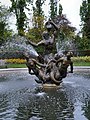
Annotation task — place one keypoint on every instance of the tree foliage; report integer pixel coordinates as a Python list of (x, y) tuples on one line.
[(54, 10), (85, 17), (65, 26), (37, 21), (39, 4), (18, 8), (38, 14), (4, 31), (82, 43)]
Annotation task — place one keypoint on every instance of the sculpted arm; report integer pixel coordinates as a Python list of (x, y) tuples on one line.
[(55, 26), (42, 42)]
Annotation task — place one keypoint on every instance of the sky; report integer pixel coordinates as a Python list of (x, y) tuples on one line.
[(71, 9)]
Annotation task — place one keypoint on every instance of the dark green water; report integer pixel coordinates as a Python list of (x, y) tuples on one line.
[(23, 99)]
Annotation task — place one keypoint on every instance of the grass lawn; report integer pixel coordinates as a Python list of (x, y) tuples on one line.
[(81, 63), (16, 65)]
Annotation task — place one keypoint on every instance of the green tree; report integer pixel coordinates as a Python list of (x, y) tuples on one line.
[(85, 17), (18, 8), (60, 9), (38, 14), (4, 28), (35, 33), (38, 21), (54, 10), (82, 43), (39, 4)]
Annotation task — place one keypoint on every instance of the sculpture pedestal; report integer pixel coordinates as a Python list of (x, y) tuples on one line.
[(51, 85)]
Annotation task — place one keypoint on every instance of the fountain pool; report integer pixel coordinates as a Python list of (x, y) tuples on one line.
[(21, 98)]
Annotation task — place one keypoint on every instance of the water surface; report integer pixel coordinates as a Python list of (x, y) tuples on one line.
[(21, 98)]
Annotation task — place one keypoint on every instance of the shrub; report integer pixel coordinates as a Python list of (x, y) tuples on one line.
[(81, 59), (19, 61), (74, 59)]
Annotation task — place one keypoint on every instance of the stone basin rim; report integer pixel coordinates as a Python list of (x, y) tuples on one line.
[(16, 69)]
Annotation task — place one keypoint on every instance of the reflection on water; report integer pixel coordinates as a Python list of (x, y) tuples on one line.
[(86, 108), (23, 99), (49, 106)]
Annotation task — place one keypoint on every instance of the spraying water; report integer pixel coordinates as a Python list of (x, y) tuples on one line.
[(18, 43)]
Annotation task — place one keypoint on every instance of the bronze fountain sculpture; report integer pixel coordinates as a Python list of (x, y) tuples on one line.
[(50, 68)]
